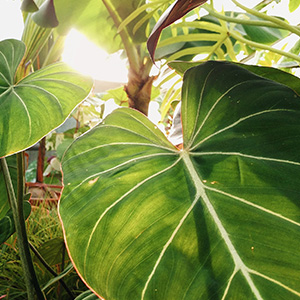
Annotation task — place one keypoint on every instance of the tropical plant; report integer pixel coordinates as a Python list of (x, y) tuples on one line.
[(217, 219), (214, 218), (40, 101)]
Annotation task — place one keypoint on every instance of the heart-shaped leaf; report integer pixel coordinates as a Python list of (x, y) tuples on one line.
[(32, 107), (176, 11), (217, 220)]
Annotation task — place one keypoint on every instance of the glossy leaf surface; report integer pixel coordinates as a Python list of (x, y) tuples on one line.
[(274, 74), (32, 107), (218, 220)]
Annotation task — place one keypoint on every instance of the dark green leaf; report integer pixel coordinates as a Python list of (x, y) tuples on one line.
[(32, 107), (12, 166), (7, 224), (52, 251), (29, 6), (46, 16), (267, 72)]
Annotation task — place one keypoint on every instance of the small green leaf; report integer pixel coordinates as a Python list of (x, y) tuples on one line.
[(219, 219), (293, 5), (87, 295), (32, 107), (64, 273), (7, 224)]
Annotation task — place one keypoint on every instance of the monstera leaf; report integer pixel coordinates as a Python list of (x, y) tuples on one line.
[(218, 219), (40, 102)]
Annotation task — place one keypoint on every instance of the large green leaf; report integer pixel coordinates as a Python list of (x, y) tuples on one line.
[(99, 20), (267, 72), (217, 220), (32, 107)]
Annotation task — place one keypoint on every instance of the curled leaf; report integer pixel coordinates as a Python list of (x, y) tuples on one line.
[(46, 16), (176, 11), (29, 6)]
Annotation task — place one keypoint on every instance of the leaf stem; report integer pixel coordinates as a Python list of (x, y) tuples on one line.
[(50, 270), (264, 47), (238, 20), (130, 49), (280, 23), (32, 285)]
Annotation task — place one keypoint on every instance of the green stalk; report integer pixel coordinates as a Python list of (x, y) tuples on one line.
[(264, 47), (129, 46), (138, 88), (50, 270), (282, 24), (239, 21), (32, 285)]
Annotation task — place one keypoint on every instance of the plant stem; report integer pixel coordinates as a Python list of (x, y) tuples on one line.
[(32, 285), (130, 49), (264, 47), (138, 88), (238, 20), (50, 270), (282, 24)]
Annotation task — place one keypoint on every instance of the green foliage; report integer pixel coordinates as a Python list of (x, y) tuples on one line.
[(293, 5), (92, 17), (43, 227), (7, 225), (41, 101), (270, 73), (220, 217), (4, 203)]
